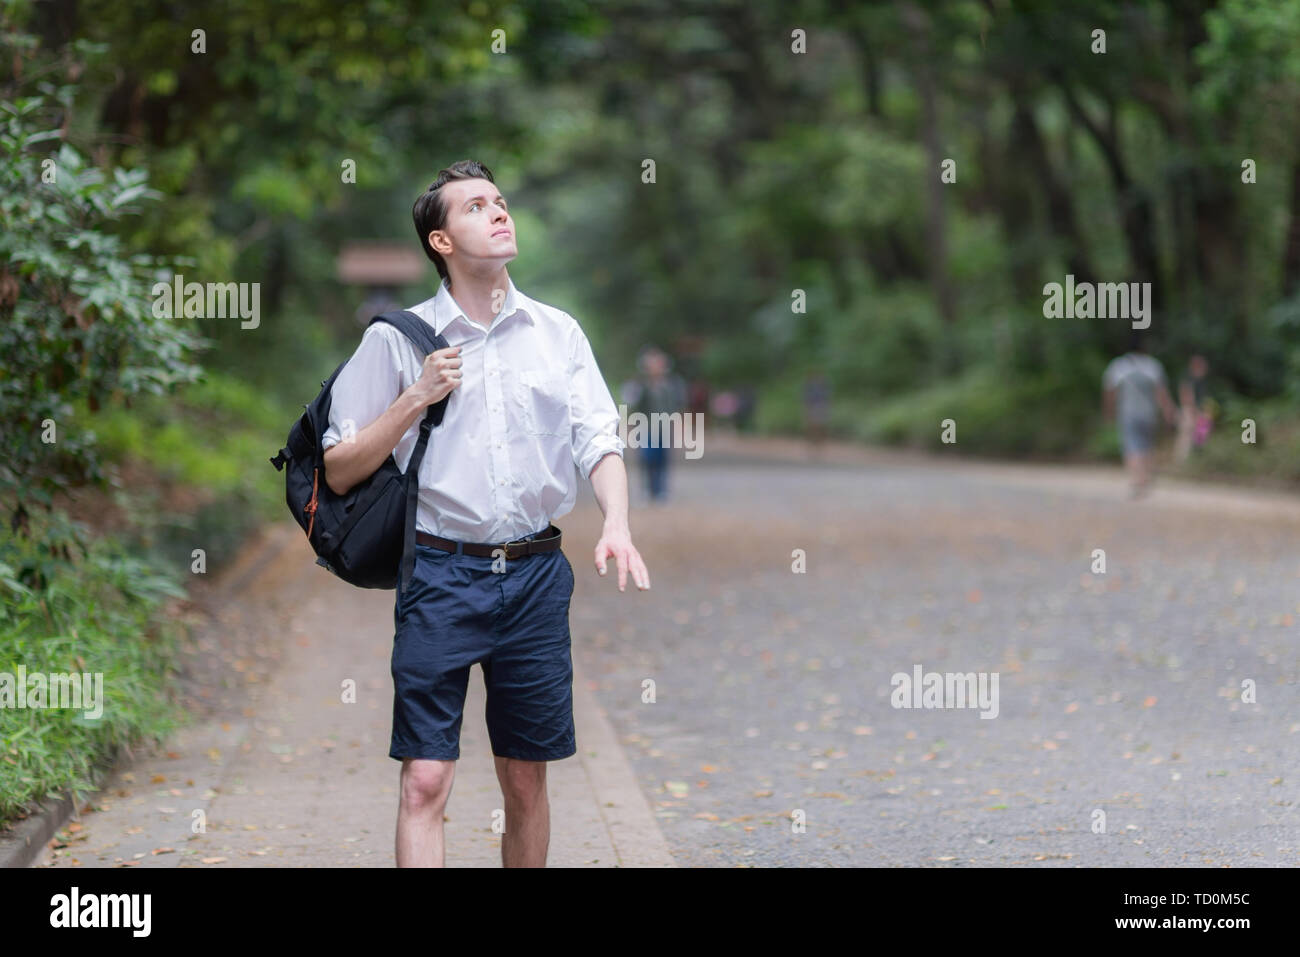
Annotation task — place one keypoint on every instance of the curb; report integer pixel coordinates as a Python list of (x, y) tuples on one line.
[(26, 839), (629, 821)]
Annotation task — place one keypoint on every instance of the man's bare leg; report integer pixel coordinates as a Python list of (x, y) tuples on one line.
[(424, 787), (528, 812), (1131, 471)]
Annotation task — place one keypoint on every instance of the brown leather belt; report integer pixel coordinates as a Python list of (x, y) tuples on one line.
[(517, 549)]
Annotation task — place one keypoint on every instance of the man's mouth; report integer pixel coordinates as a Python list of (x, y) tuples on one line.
[(501, 232)]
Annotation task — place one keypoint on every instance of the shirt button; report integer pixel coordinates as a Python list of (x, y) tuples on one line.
[(502, 482)]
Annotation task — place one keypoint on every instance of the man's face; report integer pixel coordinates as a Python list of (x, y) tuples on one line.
[(479, 226)]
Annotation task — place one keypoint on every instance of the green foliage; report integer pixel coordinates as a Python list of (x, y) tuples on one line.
[(205, 435), (97, 615), (76, 323), (1274, 455), (994, 416)]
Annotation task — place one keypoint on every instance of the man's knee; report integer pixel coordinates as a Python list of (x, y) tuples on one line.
[(426, 782)]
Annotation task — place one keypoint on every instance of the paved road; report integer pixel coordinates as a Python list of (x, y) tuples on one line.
[(1118, 693)]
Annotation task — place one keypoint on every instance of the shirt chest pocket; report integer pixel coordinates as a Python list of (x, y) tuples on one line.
[(543, 400)]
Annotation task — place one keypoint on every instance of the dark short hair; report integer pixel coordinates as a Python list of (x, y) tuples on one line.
[(430, 212)]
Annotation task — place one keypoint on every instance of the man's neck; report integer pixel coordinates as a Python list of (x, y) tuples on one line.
[(480, 297)]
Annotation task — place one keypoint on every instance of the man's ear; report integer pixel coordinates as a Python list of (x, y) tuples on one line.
[(442, 247)]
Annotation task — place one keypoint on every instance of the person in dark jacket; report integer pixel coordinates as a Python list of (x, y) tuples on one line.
[(659, 390)]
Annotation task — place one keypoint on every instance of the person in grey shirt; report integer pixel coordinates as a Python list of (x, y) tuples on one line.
[(1135, 394)]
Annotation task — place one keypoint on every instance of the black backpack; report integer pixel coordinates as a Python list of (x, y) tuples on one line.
[(367, 536)]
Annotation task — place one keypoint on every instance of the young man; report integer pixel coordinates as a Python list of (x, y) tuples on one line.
[(529, 410)]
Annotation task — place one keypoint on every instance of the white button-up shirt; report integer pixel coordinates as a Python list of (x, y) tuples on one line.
[(532, 409)]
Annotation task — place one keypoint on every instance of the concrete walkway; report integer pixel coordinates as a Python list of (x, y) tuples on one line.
[(279, 771)]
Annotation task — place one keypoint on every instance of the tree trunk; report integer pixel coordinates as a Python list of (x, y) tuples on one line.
[(936, 220)]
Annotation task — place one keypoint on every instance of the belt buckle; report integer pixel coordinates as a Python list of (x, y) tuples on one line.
[(518, 541)]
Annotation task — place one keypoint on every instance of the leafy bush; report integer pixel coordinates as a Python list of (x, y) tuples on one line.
[(76, 323)]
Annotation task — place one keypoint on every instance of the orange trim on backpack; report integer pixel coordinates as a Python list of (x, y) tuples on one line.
[(310, 507)]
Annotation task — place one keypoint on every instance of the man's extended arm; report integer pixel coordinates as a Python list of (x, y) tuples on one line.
[(609, 484), (597, 453)]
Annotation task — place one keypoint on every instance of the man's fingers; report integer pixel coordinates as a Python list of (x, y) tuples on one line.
[(628, 561), (438, 355), (642, 573)]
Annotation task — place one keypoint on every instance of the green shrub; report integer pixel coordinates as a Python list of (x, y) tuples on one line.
[(76, 324), (96, 614)]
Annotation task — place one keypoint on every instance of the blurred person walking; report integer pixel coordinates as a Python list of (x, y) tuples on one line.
[(1135, 393), (1194, 416), (659, 390), (816, 409)]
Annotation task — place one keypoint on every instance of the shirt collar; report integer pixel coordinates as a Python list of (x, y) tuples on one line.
[(445, 310)]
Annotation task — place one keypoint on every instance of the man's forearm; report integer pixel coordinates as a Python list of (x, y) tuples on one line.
[(355, 459), (609, 484)]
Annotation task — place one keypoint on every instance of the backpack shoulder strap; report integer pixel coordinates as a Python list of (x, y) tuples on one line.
[(423, 338), (414, 328)]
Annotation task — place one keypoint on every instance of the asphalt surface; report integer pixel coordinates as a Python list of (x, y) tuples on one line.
[(1119, 693)]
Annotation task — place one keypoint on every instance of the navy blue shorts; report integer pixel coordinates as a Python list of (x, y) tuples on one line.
[(456, 611)]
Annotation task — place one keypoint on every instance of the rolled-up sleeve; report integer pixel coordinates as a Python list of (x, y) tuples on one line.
[(593, 417), (367, 386)]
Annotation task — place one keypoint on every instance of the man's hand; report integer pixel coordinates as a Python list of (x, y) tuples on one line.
[(609, 483), (440, 374), (616, 543), (356, 458)]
